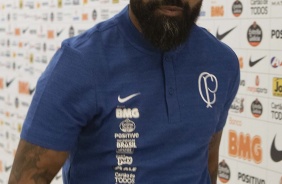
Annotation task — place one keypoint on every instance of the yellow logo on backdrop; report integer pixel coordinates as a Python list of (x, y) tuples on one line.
[(19, 127), (1, 166), (277, 87), (85, 2), (60, 3), (21, 4), (115, 1)]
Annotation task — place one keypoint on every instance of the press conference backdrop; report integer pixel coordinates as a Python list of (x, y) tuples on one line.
[(251, 149)]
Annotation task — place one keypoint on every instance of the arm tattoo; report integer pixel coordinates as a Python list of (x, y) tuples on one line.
[(28, 165)]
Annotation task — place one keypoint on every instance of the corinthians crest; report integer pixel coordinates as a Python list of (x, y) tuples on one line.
[(208, 89)]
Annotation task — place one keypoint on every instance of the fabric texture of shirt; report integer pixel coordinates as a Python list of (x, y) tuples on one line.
[(129, 113)]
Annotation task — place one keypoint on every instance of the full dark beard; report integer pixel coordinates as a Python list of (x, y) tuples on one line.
[(165, 32)]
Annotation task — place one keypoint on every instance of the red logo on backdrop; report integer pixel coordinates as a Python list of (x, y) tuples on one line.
[(24, 88), (1, 83), (241, 62), (257, 80), (254, 35), (243, 146)]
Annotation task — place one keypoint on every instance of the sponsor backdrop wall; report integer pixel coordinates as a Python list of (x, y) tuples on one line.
[(251, 150)]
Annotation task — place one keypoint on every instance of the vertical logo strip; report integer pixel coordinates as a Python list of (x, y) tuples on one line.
[(125, 171)]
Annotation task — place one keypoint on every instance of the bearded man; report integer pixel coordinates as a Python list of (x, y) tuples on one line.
[(141, 98)]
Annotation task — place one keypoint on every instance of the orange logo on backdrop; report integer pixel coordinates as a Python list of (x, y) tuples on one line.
[(241, 62), (20, 44), (84, 16), (85, 1), (24, 88), (17, 31), (1, 166), (50, 34), (217, 11), (1, 83), (244, 147)]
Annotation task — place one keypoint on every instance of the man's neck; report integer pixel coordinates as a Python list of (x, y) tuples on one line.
[(134, 20)]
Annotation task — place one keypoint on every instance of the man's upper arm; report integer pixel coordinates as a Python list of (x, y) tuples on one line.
[(34, 164), (213, 155)]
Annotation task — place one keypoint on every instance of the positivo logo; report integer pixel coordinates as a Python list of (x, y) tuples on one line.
[(254, 35), (246, 178)]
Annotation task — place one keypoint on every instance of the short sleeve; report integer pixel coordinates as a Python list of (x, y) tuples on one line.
[(233, 88), (63, 103)]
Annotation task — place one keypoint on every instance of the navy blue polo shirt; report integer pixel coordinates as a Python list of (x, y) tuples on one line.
[(129, 113)]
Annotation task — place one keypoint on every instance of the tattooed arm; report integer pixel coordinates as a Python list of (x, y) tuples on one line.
[(213, 156), (35, 165)]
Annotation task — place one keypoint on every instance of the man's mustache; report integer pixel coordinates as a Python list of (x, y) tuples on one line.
[(153, 4)]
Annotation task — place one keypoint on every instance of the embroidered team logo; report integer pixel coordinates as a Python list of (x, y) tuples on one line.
[(208, 89)]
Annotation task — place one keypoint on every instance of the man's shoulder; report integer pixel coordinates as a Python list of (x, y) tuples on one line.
[(91, 38), (207, 43)]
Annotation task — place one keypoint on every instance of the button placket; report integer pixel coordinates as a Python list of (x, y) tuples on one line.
[(170, 86)]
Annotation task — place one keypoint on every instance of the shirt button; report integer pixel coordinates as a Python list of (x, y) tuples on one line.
[(167, 59), (170, 91)]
